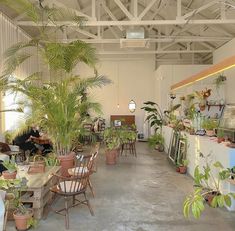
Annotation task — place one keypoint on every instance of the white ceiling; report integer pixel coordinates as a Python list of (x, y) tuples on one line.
[(179, 31)]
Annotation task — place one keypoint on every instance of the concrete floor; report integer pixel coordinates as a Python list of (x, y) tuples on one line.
[(139, 194)]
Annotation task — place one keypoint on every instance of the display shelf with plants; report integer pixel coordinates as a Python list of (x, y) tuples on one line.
[(209, 125)]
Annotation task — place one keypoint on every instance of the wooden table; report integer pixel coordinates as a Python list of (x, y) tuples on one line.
[(38, 192)]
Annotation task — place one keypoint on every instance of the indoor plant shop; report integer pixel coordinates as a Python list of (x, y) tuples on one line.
[(117, 115)]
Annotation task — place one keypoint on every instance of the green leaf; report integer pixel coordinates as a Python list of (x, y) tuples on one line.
[(227, 200), (217, 164)]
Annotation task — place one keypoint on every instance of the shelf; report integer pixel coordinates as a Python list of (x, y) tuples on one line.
[(221, 106)]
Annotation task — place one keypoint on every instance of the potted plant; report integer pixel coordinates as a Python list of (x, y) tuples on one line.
[(11, 171), (209, 125), (220, 136), (183, 166), (156, 141), (113, 142), (62, 105), (23, 216), (207, 185), (202, 97)]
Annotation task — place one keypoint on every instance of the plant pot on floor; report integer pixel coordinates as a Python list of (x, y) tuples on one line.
[(182, 169), (66, 162), (209, 197), (9, 175), (111, 156), (22, 220), (210, 132), (220, 140), (160, 147)]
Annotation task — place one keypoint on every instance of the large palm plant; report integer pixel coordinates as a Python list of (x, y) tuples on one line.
[(60, 106)]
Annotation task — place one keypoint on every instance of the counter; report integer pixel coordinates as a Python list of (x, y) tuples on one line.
[(206, 145)]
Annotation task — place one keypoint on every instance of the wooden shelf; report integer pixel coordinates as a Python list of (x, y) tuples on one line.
[(221, 106)]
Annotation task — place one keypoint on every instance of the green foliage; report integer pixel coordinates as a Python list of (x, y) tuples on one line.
[(220, 133), (112, 138), (185, 162), (220, 80), (155, 117), (155, 139), (10, 165), (194, 203), (209, 124)]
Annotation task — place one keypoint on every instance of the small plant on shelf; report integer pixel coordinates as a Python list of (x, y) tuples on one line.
[(220, 136), (207, 188), (11, 167), (209, 125), (202, 98)]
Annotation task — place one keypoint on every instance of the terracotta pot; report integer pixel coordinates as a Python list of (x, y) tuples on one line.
[(177, 169), (66, 162), (9, 175), (202, 107), (111, 157), (183, 169), (160, 148), (21, 220), (210, 132), (209, 197), (220, 139)]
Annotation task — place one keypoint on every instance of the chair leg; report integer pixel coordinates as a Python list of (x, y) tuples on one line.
[(74, 200), (88, 204), (91, 187), (66, 213)]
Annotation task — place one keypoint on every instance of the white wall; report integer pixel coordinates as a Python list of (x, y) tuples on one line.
[(132, 79), (167, 75), (224, 52)]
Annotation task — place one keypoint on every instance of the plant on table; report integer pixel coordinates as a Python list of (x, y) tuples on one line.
[(207, 188), (220, 136), (209, 125), (202, 98), (11, 167)]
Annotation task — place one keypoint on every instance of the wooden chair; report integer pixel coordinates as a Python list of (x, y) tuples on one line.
[(92, 167), (70, 187)]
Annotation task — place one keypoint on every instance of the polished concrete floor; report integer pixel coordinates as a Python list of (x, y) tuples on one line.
[(139, 194)]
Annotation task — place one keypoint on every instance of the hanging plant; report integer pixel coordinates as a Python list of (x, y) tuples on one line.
[(220, 80)]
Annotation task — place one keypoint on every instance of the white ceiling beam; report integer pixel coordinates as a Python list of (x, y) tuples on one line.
[(93, 9), (148, 7), (166, 39), (135, 8), (114, 34), (179, 13), (196, 11), (111, 15), (77, 12), (153, 52), (124, 10), (90, 35), (135, 23), (222, 10)]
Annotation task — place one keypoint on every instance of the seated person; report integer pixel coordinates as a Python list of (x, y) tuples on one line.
[(24, 140)]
